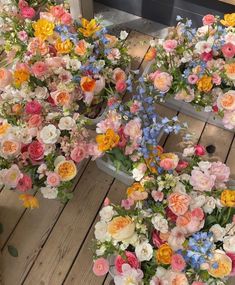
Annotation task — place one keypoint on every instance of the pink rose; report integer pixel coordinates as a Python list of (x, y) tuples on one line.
[(199, 150), (157, 195), (206, 56), (228, 50), (163, 82), (130, 259), (156, 240), (198, 213), (216, 79), (79, 152), (229, 120), (169, 45), (178, 263), (25, 183), (100, 267), (39, 69), (53, 179), (221, 171), (35, 121), (5, 77), (232, 256), (120, 86), (66, 19), (36, 150), (167, 164), (192, 79), (33, 107), (133, 129), (202, 181), (27, 12), (208, 20)]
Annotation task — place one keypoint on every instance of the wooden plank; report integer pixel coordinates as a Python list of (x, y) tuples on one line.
[(109, 280), (82, 267), (87, 8), (218, 137), (75, 9), (232, 2), (174, 142), (56, 256), (231, 160)]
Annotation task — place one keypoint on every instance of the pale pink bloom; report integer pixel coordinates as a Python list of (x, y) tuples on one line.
[(99, 84), (5, 77), (93, 151), (79, 152), (203, 47), (184, 95), (194, 225), (177, 238), (127, 203), (157, 195), (198, 283), (216, 79), (202, 181), (112, 121), (121, 86), (177, 262), (170, 45), (35, 121), (178, 278), (101, 267), (129, 273), (131, 148), (106, 201), (163, 82), (53, 179), (114, 54), (192, 79), (39, 69), (230, 38), (229, 120), (220, 170), (12, 176), (133, 129), (227, 101), (22, 35), (135, 106), (25, 183), (88, 97), (66, 19), (153, 75), (65, 76), (208, 20), (54, 62), (47, 16)]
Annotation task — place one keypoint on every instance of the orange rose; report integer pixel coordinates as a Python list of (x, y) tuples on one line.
[(229, 20), (63, 47), (164, 254), (137, 192), (81, 48), (184, 220), (223, 265), (227, 100), (121, 228), (151, 54), (4, 127), (178, 203), (107, 141), (230, 70), (87, 84), (205, 84), (66, 169), (5, 77), (61, 98), (227, 198)]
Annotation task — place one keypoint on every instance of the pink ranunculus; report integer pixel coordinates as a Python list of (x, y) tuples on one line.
[(27, 12), (33, 107), (169, 45), (5, 77), (216, 79), (199, 150), (221, 171), (228, 50), (133, 129), (156, 240), (178, 263), (121, 86), (135, 106), (39, 69), (100, 267), (127, 203), (208, 20), (79, 152), (198, 213), (66, 19), (22, 35), (232, 256), (35, 121), (25, 183), (182, 164), (53, 179), (157, 195), (202, 181), (130, 259), (36, 150), (192, 79)]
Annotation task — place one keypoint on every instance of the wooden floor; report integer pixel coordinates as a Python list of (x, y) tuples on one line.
[(54, 241)]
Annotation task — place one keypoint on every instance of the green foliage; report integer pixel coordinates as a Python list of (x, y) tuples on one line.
[(120, 160)]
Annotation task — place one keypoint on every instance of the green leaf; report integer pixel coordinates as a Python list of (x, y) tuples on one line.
[(1, 228), (12, 250)]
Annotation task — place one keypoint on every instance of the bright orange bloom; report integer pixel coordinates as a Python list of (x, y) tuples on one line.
[(107, 141), (20, 76), (227, 198), (205, 83), (87, 84), (81, 48), (89, 27), (164, 254), (151, 54), (29, 201)]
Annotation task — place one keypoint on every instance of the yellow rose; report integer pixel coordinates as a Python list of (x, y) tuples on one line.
[(29, 201), (205, 83), (89, 28), (63, 47), (43, 29), (230, 70), (66, 169), (229, 20), (20, 76), (164, 254), (221, 265), (107, 141), (121, 228), (137, 192), (227, 198)]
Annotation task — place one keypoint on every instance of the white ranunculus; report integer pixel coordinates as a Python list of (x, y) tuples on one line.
[(144, 251), (107, 213), (218, 232), (180, 188), (189, 151), (41, 93), (66, 123), (229, 244), (204, 165), (123, 35), (49, 192), (160, 223), (209, 206), (101, 233), (49, 134)]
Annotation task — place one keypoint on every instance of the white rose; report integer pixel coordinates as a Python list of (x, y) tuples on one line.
[(75, 64), (202, 31), (189, 151), (49, 148), (41, 93), (49, 134), (180, 188), (209, 205), (139, 171), (123, 35), (160, 223), (107, 213), (184, 177), (25, 136), (101, 233), (204, 165), (218, 232), (66, 123), (144, 251), (229, 244), (49, 192), (52, 116), (197, 202)]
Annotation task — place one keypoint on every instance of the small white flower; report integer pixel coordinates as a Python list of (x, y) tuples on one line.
[(180, 188), (100, 251), (144, 251), (123, 35), (66, 123), (41, 93), (209, 205), (204, 165), (189, 151), (49, 134), (229, 244), (208, 109), (139, 171), (101, 233), (218, 232), (184, 177), (107, 213), (197, 201), (153, 43), (160, 223), (49, 192), (75, 64)]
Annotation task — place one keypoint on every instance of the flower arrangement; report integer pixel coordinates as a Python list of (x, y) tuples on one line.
[(197, 66), (175, 227)]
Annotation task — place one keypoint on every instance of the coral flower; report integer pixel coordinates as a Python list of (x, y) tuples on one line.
[(151, 54), (107, 141), (87, 84), (43, 29), (89, 27), (29, 201), (230, 70), (81, 48), (178, 203)]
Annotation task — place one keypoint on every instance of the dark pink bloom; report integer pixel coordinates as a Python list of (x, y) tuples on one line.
[(156, 240), (36, 150), (206, 56), (130, 259), (33, 107), (27, 12), (178, 263), (123, 138), (228, 50), (215, 108), (199, 150), (25, 183), (182, 164), (120, 86), (170, 215)]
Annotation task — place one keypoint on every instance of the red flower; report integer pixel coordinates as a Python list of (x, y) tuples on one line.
[(36, 150), (215, 108), (123, 138), (206, 56), (181, 165), (199, 150), (170, 215)]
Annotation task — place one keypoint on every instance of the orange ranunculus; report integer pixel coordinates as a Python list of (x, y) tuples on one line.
[(178, 203), (230, 70), (89, 27), (4, 127), (29, 201), (87, 84), (20, 76), (223, 265), (66, 169), (164, 254), (43, 29), (63, 47), (121, 228), (137, 192), (205, 83), (81, 48), (227, 198), (107, 141), (112, 40), (151, 54), (229, 20), (61, 98)]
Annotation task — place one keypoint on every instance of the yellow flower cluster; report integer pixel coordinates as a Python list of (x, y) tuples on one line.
[(205, 83), (228, 198), (43, 29), (229, 20), (89, 27), (107, 141)]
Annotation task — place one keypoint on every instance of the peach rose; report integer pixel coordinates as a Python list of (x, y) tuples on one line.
[(163, 81), (223, 265), (227, 101), (121, 228), (169, 161), (61, 98), (119, 75), (230, 70), (5, 77), (66, 170), (178, 203), (81, 48), (10, 148)]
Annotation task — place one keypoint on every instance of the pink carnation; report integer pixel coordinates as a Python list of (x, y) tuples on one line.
[(25, 183), (53, 179), (170, 45), (22, 35), (100, 267), (192, 79), (177, 262), (130, 259), (33, 107), (208, 20), (135, 107), (127, 203), (27, 12), (39, 68)]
